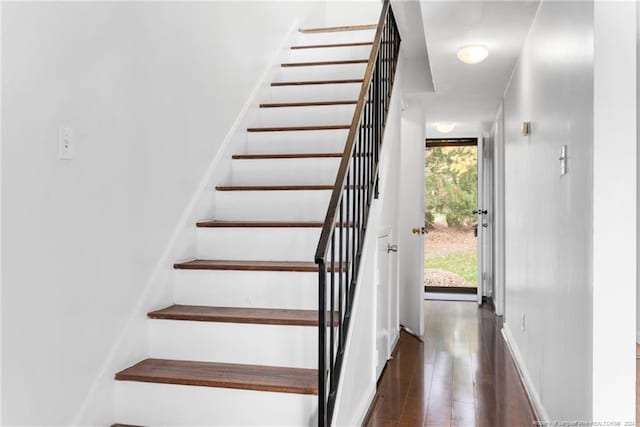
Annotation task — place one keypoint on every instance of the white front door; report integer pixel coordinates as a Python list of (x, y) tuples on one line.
[(411, 220)]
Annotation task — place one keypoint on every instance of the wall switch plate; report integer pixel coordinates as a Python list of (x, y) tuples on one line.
[(523, 324), (563, 160), (66, 143)]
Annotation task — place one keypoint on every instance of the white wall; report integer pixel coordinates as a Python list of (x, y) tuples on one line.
[(548, 244), (150, 90), (614, 211), (352, 12)]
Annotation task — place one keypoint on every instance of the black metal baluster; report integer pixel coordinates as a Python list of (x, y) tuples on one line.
[(332, 307), (349, 234), (340, 265), (356, 184), (322, 343)]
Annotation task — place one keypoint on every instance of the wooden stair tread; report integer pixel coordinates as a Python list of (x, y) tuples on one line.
[(317, 82), (286, 156), (261, 316), (340, 28), (225, 375), (214, 223), (298, 128), (322, 63), (258, 224), (320, 46), (273, 187), (207, 264), (307, 104)]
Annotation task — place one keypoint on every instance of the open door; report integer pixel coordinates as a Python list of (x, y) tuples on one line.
[(481, 225), (411, 220), (485, 224)]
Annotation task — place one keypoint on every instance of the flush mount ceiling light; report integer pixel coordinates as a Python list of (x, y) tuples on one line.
[(445, 127), (473, 53)]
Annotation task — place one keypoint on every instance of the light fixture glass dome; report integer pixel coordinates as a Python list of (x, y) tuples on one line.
[(445, 127), (473, 53)]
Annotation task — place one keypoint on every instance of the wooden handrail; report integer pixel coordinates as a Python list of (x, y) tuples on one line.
[(336, 195)]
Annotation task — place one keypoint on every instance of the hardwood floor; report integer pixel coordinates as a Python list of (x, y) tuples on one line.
[(461, 376)]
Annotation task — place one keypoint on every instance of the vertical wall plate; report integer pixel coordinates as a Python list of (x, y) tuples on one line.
[(66, 143), (524, 128), (563, 160)]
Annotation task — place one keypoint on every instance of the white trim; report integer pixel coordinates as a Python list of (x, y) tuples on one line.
[(364, 407), (161, 277), (498, 214), (534, 398), (454, 296), (1, 352)]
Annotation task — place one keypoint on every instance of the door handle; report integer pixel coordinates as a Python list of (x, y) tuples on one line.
[(480, 212), (392, 248), (419, 230)]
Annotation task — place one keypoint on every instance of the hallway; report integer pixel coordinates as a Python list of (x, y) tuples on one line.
[(462, 375)]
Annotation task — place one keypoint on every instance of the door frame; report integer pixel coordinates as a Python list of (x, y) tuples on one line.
[(476, 141), (499, 291)]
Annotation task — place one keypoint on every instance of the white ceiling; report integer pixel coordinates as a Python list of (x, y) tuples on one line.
[(469, 95)]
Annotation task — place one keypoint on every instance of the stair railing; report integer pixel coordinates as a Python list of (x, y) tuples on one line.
[(341, 241)]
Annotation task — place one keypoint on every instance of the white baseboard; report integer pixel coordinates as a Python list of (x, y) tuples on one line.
[(441, 296), (534, 398)]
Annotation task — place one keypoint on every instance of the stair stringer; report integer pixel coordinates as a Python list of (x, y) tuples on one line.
[(357, 386), (132, 343)]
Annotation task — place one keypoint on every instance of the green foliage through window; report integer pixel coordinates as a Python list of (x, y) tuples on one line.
[(451, 185)]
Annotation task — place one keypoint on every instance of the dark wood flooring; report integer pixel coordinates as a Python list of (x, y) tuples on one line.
[(462, 375)]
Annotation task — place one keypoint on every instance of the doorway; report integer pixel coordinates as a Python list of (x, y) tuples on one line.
[(453, 221)]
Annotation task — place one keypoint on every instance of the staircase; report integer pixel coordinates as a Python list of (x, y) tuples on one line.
[(240, 344)]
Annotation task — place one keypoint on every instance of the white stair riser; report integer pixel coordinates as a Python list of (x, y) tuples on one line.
[(323, 141), (258, 244), (308, 115), (259, 289), (291, 205), (268, 345), (318, 92), (322, 72), (329, 53), (149, 404), (336, 37), (285, 171)]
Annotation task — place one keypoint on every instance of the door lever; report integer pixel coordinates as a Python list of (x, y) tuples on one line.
[(392, 248), (419, 230)]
